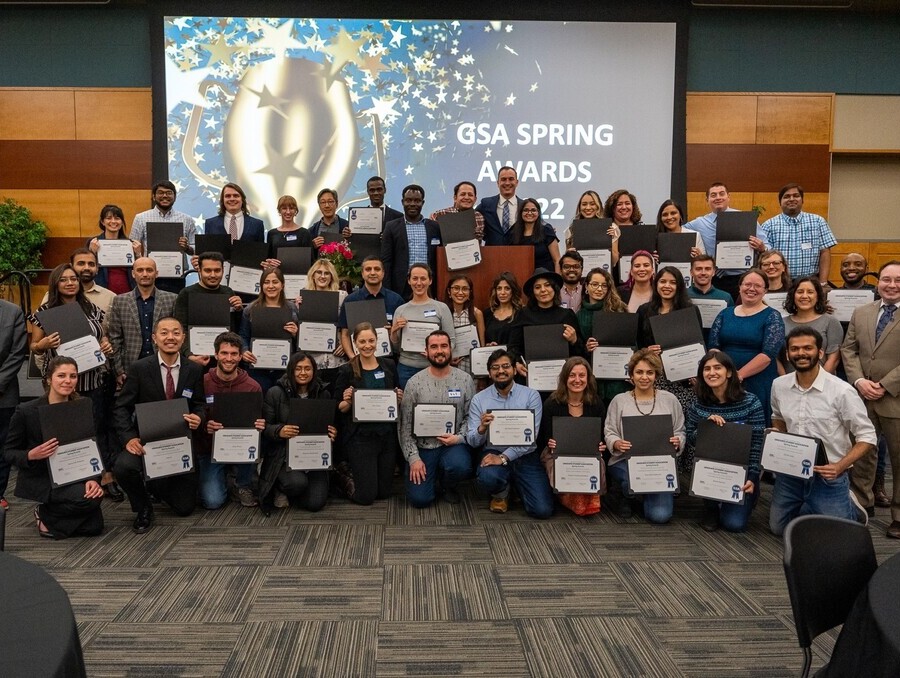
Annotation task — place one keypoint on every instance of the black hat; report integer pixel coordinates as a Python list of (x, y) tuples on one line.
[(541, 273)]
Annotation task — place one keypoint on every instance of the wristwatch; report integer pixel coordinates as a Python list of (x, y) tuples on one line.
[(504, 459)]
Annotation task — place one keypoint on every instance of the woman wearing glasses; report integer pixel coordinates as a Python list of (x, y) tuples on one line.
[(530, 229), (600, 295), (775, 268), (459, 297), (751, 333)]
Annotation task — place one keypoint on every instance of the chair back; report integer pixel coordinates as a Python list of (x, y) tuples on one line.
[(827, 562)]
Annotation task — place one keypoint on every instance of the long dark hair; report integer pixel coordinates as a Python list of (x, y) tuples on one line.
[(297, 358), (790, 304), (734, 390), (612, 302), (518, 228), (668, 203), (115, 211), (53, 297), (260, 300), (469, 306), (681, 299), (561, 394), (515, 299)]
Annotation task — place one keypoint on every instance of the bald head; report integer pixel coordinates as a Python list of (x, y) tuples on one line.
[(144, 271), (853, 269)]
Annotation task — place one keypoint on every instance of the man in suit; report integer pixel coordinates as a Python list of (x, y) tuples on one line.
[(13, 351), (234, 217), (412, 239), (376, 189), (500, 211), (132, 316), (871, 355), (164, 375)]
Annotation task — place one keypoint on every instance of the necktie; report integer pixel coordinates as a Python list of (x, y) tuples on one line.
[(232, 228), (506, 216), (884, 320), (170, 383)]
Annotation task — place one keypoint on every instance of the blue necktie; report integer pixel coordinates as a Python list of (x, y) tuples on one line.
[(884, 320), (506, 216)]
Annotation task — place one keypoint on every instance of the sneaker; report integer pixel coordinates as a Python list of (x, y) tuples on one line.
[(244, 495), (862, 516), (281, 500), (499, 505), (4, 504)]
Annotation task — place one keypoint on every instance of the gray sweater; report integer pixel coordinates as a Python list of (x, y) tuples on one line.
[(431, 311), (456, 389)]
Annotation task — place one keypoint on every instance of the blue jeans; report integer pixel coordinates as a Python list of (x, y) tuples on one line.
[(405, 373), (529, 478), (794, 497), (213, 484), (658, 507), (452, 464), (734, 517), (881, 464)]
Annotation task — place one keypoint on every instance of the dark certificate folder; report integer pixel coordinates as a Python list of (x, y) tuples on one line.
[(366, 311), (237, 410), (735, 226), (209, 310), (68, 422), (649, 435), (457, 226), (162, 420), (163, 236), (248, 254), (295, 260), (312, 417), (545, 342), (615, 329), (218, 242), (639, 237), (729, 444), (675, 247), (677, 328), (591, 234), (577, 436), (67, 319), (267, 322), (365, 244), (319, 306)]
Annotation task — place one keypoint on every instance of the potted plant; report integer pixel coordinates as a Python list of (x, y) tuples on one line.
[(348, 270), (21, 238)]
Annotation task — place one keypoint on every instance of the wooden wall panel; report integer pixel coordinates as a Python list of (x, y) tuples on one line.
[(91, 201), (784, 119), (721, 119), (113, 115), (75, 164), (697, 206), (866, 124), (59, 250), (58, 209), (37, 114), (758, 167)]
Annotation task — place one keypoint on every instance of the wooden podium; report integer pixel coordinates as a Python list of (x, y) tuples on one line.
[(518, 260)]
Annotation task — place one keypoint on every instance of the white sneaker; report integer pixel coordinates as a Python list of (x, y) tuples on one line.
[(281, 500), (862, 515)]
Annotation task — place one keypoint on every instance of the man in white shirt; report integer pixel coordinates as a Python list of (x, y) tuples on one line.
[(811, 402)]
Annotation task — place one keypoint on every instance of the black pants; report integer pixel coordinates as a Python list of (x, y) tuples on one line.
[(102, 399), (179, 492), (68, 513), (307, 489), (371, 462)]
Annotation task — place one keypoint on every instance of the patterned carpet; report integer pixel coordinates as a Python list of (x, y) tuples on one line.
[(389, 590)]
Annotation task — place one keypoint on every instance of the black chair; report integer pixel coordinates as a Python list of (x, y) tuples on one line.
[(827, 562)]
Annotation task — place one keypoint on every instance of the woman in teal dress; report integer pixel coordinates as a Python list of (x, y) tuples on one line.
[(600, 294)]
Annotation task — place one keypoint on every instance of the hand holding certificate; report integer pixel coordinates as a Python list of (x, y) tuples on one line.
[(510, 428), (371, 405), (365, 220), (793, 455), (431, 421), (414, 334), (119, 252)]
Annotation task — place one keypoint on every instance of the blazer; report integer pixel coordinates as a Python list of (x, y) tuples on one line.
[(880, 362), (390, 214), (123, 325), (254, 229), (24, 434), (493, 231), (144, 385), (395, 253), (13, 351)]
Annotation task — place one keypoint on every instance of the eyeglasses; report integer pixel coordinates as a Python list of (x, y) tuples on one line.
[(457, 288), (529, 210), (327, 202), (497, 368), (751, 286), (772, 264), (166, 193), (303, 369), (598, 286), (571, 267)]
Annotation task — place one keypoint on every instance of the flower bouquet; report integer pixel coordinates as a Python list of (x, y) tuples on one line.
[(341, 257)]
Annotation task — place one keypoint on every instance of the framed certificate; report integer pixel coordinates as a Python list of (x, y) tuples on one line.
[(466, 339), (611, 362), (413, 335), (73, 462), (203, 339), (365, 220), (118, 252), (844, 302), (463, 254), (169, 457), (776, 300), (576, 474), (709, 309), (718, 481), (479, 358), (734, 254), (375, 405), (236, 446), (543, 375), (596, 259), (652, 474), (244, 280), (271, 354), (681, 363), (309, 453), (168, 264), (317, 337), (430, 421), (511, 427), (85, 351), (294, 285), (791, 454)]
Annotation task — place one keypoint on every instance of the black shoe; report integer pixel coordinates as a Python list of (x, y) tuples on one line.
[(114, 492), (451, 496), (144, 521), (870, 511), (710, 519)]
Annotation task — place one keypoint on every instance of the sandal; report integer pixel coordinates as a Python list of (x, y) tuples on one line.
[(41, 528)]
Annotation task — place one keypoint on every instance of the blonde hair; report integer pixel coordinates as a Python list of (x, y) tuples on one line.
[(317, 265)]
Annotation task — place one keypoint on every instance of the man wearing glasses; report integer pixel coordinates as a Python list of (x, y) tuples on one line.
[(571, 265), (501, 466), (163, 198), (330, 224)]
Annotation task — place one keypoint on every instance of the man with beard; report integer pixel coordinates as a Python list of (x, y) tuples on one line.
[(811, 402), (443, 459), (501, 466), (853, 272), (464, 196), (407, 241), (571, 265), (85, 264)]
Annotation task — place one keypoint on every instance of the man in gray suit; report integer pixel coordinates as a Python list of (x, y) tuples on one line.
[(871, 353), (132, 315), (13, 351)]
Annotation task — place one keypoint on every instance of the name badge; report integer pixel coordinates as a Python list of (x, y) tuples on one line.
[(290, 237), (564, 304), (430, 313), (210, 399), (379, 375), (454, 393), (389, 316), (187, 393), (806, 246), (435, 241)]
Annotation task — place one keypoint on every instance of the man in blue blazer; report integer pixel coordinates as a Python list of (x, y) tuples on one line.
[(412, 239), (500, 211), (233, 214)]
